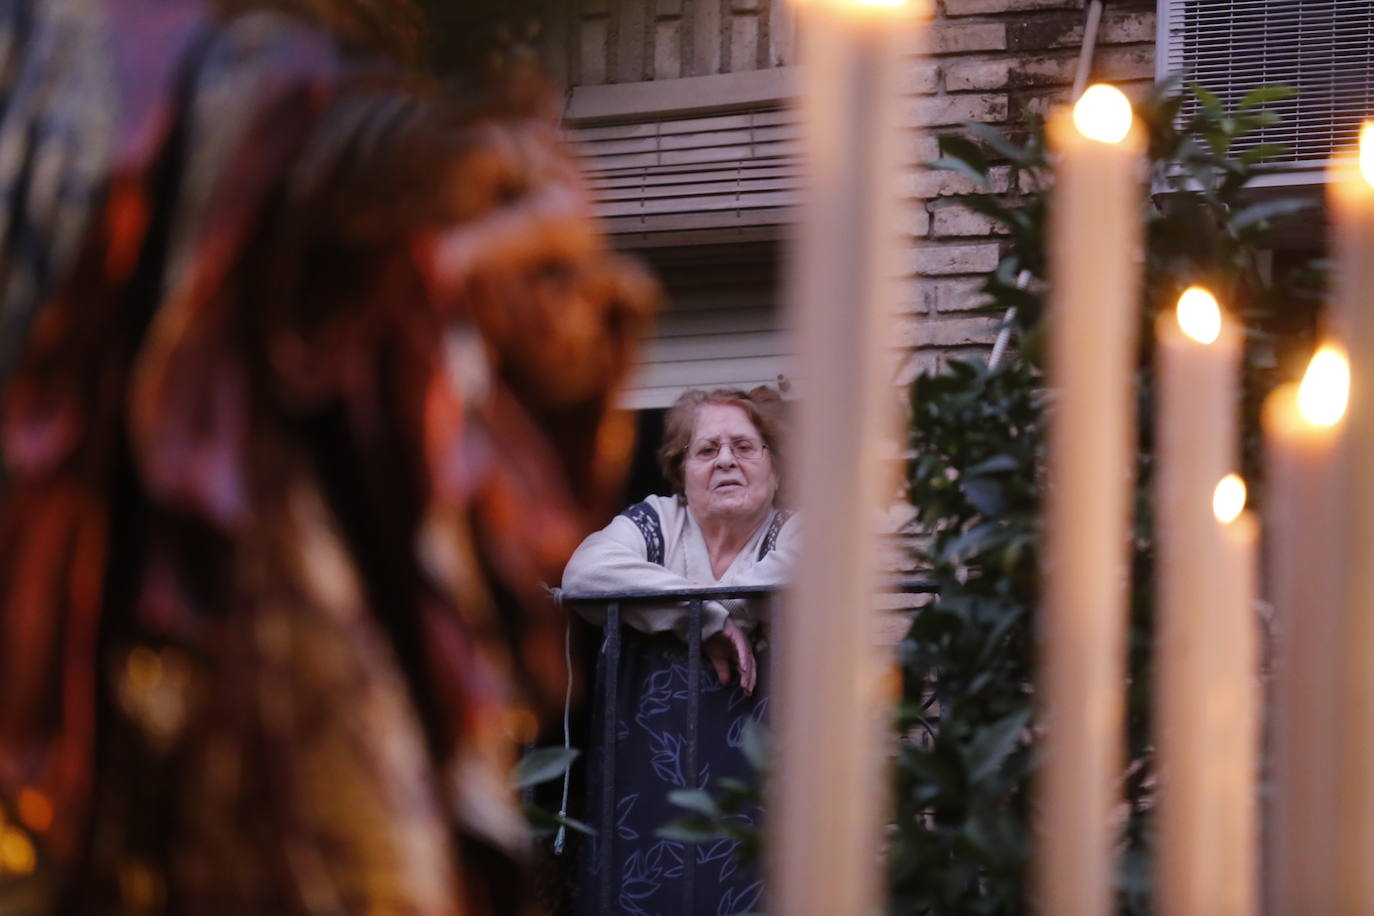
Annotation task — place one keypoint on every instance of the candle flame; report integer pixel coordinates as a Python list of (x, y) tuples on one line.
[(1367, 151), (1228, 499), (1103, 113), (1199, 315), (1325, 388)]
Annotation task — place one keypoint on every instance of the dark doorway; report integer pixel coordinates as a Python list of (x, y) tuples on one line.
[(645, 478)]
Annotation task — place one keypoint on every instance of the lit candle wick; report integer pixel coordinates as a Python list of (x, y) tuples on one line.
[(1325, 387), (1228, 499), (1199, 315), (1103, 113)]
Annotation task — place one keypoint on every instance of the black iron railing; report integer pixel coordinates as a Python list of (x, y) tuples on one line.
[(696, 599)]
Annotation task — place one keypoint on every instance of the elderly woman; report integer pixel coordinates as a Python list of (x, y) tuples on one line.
[(721, 527)]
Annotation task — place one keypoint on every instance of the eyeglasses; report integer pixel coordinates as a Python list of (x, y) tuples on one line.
[(743, 449)]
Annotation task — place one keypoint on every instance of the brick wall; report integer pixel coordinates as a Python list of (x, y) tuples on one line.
[(993, 61), (625, 41)]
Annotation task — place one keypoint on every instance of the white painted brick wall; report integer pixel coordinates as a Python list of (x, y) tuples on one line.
[(948, 110), (998, 60), (977, 74), (934, 259), (951, 219), (963, 38), (980, 7)]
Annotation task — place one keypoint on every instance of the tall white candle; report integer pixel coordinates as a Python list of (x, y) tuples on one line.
[(1306, 562), (1094, 275), (1233, 712), (825, 813), (1197, 444), (1351, 194)]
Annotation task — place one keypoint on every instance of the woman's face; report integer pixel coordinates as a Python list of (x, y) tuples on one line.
[(727, 486)]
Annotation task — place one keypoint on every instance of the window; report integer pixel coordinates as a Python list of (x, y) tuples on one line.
[(1322, 48)]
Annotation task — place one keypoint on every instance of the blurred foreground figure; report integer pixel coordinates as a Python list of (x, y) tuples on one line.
[(306, 382)]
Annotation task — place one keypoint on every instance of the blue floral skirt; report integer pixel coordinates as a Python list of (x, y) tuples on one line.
[(650, 874)]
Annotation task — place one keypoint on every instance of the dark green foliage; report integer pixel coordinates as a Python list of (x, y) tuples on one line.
[(715, 813), (960, 842), (960, 799), (538, 766), (543, 764)]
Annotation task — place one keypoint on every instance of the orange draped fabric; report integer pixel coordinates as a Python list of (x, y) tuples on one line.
[(292, 437)]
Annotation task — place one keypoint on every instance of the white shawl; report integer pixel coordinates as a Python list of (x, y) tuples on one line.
[(616, 559)]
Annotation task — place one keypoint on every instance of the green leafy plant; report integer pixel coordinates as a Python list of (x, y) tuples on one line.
[(960, 841), (538, 766), (718, 811), (960, 805)]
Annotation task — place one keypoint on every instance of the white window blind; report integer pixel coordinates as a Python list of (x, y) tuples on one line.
[(721, 329), (1322, 48), (723, 171)]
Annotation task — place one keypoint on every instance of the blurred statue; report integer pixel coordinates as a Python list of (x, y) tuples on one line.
[(307, 373)]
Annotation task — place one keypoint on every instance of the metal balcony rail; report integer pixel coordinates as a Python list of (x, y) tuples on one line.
[(610, 648)]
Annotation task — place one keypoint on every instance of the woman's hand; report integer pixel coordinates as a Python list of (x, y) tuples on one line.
[(731, 644)]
